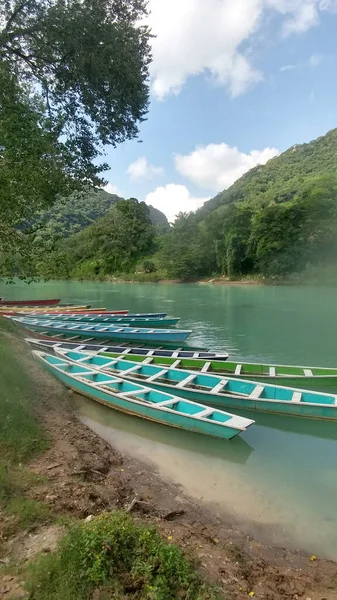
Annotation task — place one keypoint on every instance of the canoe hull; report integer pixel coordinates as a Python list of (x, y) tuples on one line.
[(145, 412), (316, 384), (116, 321), (326, 383), (212, 390), (237, 402), (157, 336), (49, 302), (47, 344), (26, 311)]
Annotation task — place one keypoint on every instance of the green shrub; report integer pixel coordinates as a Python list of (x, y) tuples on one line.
[(149, 266), (112, 552)]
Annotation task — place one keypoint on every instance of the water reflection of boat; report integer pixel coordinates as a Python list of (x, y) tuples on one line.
[(235, 451)]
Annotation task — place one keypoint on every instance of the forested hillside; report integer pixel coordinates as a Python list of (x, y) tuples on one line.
[(277, 220), (71, 215), (281, 177), (112, 244)]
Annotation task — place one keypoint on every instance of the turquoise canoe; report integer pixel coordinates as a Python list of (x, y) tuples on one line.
[(216, 390), (94, 313), (140, 401), (105, 331), (126, 321)]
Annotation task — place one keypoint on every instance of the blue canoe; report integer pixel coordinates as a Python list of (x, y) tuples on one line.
[(105, 331), (216, 390), (137, 400), (126, 321)]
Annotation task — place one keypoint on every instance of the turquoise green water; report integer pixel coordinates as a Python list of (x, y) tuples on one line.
[(278, 481)]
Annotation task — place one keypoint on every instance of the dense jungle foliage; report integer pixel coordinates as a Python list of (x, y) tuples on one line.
[(74, 78), (277, 220), (69, 216), (111, 244)]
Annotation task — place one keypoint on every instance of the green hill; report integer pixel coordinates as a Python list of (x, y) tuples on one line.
[(69, 216), (280, 178), (276, 220)]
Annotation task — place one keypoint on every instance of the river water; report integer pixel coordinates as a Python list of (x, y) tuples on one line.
[(278, 480)]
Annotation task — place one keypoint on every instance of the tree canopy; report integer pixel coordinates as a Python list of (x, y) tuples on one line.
[(112, 244), (73, 78)]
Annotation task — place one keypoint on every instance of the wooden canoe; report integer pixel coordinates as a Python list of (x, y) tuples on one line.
[(88, 315), (48, 302), (314, 378), (216, 390), (35, 310), (126, 320), (83, 338), (50, 345), (140, 401), (105, 331)]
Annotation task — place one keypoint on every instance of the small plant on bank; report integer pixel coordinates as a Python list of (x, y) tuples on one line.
[(149, 266), (113, 554)]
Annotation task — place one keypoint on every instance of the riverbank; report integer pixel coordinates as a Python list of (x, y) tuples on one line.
[(71, 475), (315, 277)]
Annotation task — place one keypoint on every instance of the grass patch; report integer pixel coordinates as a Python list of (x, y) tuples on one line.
[(28, 512), (20, 434), (143, 277), (21, 437), (121, 559)]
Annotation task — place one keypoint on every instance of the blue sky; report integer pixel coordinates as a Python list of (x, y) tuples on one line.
[(233, 83)]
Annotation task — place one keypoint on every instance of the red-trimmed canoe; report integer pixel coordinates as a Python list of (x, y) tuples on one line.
[(30, 302)]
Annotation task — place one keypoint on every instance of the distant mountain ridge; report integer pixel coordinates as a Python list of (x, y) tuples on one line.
[(278, 179), (70, 216)]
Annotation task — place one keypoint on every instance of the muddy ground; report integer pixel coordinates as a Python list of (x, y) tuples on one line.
[(84, 475)]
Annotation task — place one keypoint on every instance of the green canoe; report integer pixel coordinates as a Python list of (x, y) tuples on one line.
[(313, 378), (214, 390)]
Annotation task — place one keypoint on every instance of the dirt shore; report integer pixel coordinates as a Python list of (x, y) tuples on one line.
[(83, 476)]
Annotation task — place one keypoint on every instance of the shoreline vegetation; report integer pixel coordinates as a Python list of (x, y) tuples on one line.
[(322, 278), (81, 521)]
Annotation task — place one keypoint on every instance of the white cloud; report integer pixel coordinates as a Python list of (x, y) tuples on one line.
[(330, 5), (141, 169), (112, 189), (217, 166), (172, 199), (304, 16), (315, 60), (196, 37), (288, 68)]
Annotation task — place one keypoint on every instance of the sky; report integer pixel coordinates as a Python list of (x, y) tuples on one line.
[(233, 84)]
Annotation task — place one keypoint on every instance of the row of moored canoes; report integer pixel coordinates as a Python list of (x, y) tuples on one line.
[(97, 353)]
